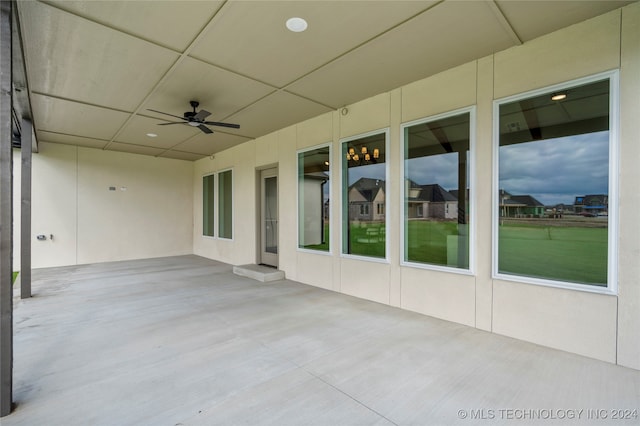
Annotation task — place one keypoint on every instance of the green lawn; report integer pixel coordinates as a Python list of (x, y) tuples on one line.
[(368, 239), (427, 241), (15, 275), (563, 253), (571, 253)]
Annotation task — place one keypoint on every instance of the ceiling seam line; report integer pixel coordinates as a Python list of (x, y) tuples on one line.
[(164, 77), (504, 22), (272, 93), (250, 105), (71, 134), (179, 143), (169, 72), (343, 54), (273, 86), (105, 25), (249, 138), (309, 99), (171, 148), (151, 147), (285, 87), (77, 101)]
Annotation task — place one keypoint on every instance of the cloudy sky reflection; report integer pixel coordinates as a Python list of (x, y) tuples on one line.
[(553, 171), (557, 170), (441, 169)]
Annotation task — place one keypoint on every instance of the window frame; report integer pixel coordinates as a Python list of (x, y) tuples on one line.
[(388, 190), (613, 219), (215, 206), (331, 183), (219, 204), (471, 270)]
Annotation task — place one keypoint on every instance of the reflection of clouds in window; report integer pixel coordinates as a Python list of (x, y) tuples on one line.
[(441, 169), (372, 171), (557, 170)]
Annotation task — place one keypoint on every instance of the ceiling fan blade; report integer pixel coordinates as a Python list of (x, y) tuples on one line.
[(201, 115), (205, 129), (170, 115), (171, 122), (216, 123)]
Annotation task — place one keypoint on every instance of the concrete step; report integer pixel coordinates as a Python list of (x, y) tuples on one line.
[(259, 272)]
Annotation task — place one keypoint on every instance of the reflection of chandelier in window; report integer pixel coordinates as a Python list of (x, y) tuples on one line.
[(364, 157)]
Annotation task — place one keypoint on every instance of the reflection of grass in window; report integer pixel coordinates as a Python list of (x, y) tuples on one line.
[(15, 275), (427, 240), (324, 246), (573, 254), (368, 239)]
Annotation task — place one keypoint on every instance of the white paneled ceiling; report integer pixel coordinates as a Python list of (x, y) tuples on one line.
[(95, 67)]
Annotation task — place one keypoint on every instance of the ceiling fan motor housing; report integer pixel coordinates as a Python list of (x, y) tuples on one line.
[(190, 114)]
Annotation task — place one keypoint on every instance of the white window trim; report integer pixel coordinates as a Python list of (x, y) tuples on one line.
[(472, 192), (331, 183), (215, 206), (388, 189), (612, 242), (233, 202)]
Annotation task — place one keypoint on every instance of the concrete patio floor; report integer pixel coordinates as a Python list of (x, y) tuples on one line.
[(183, 341)]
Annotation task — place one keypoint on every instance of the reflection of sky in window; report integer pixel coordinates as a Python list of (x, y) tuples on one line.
[(441, 169), (373, 171), (557, 170)]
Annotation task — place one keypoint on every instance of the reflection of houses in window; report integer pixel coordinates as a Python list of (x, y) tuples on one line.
[(592, 204), (366, 200), (519, 205), (430, 201)]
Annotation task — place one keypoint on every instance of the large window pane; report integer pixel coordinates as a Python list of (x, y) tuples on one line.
[(364, 195), (553, 198), (436, 192), (208, 206), (225, 204), (313, 199)]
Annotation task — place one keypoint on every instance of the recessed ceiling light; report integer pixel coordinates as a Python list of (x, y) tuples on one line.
[(297, 25), (558, 96), (152, 135)]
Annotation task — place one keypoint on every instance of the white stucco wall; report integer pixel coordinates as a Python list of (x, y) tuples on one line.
[(71, 200), (601, 326)]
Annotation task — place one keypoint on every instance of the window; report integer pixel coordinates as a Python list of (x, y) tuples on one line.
[(208, 206), (554, 212), (436, 190), (225, 204), (364, 175), (313, 199)]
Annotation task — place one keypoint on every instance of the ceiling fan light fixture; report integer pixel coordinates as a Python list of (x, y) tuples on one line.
[(194, 123), (297, 25)]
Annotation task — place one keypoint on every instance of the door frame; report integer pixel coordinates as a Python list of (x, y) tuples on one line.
[(261, 174)]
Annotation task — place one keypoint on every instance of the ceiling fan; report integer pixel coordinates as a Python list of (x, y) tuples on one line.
[(196, 119)]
